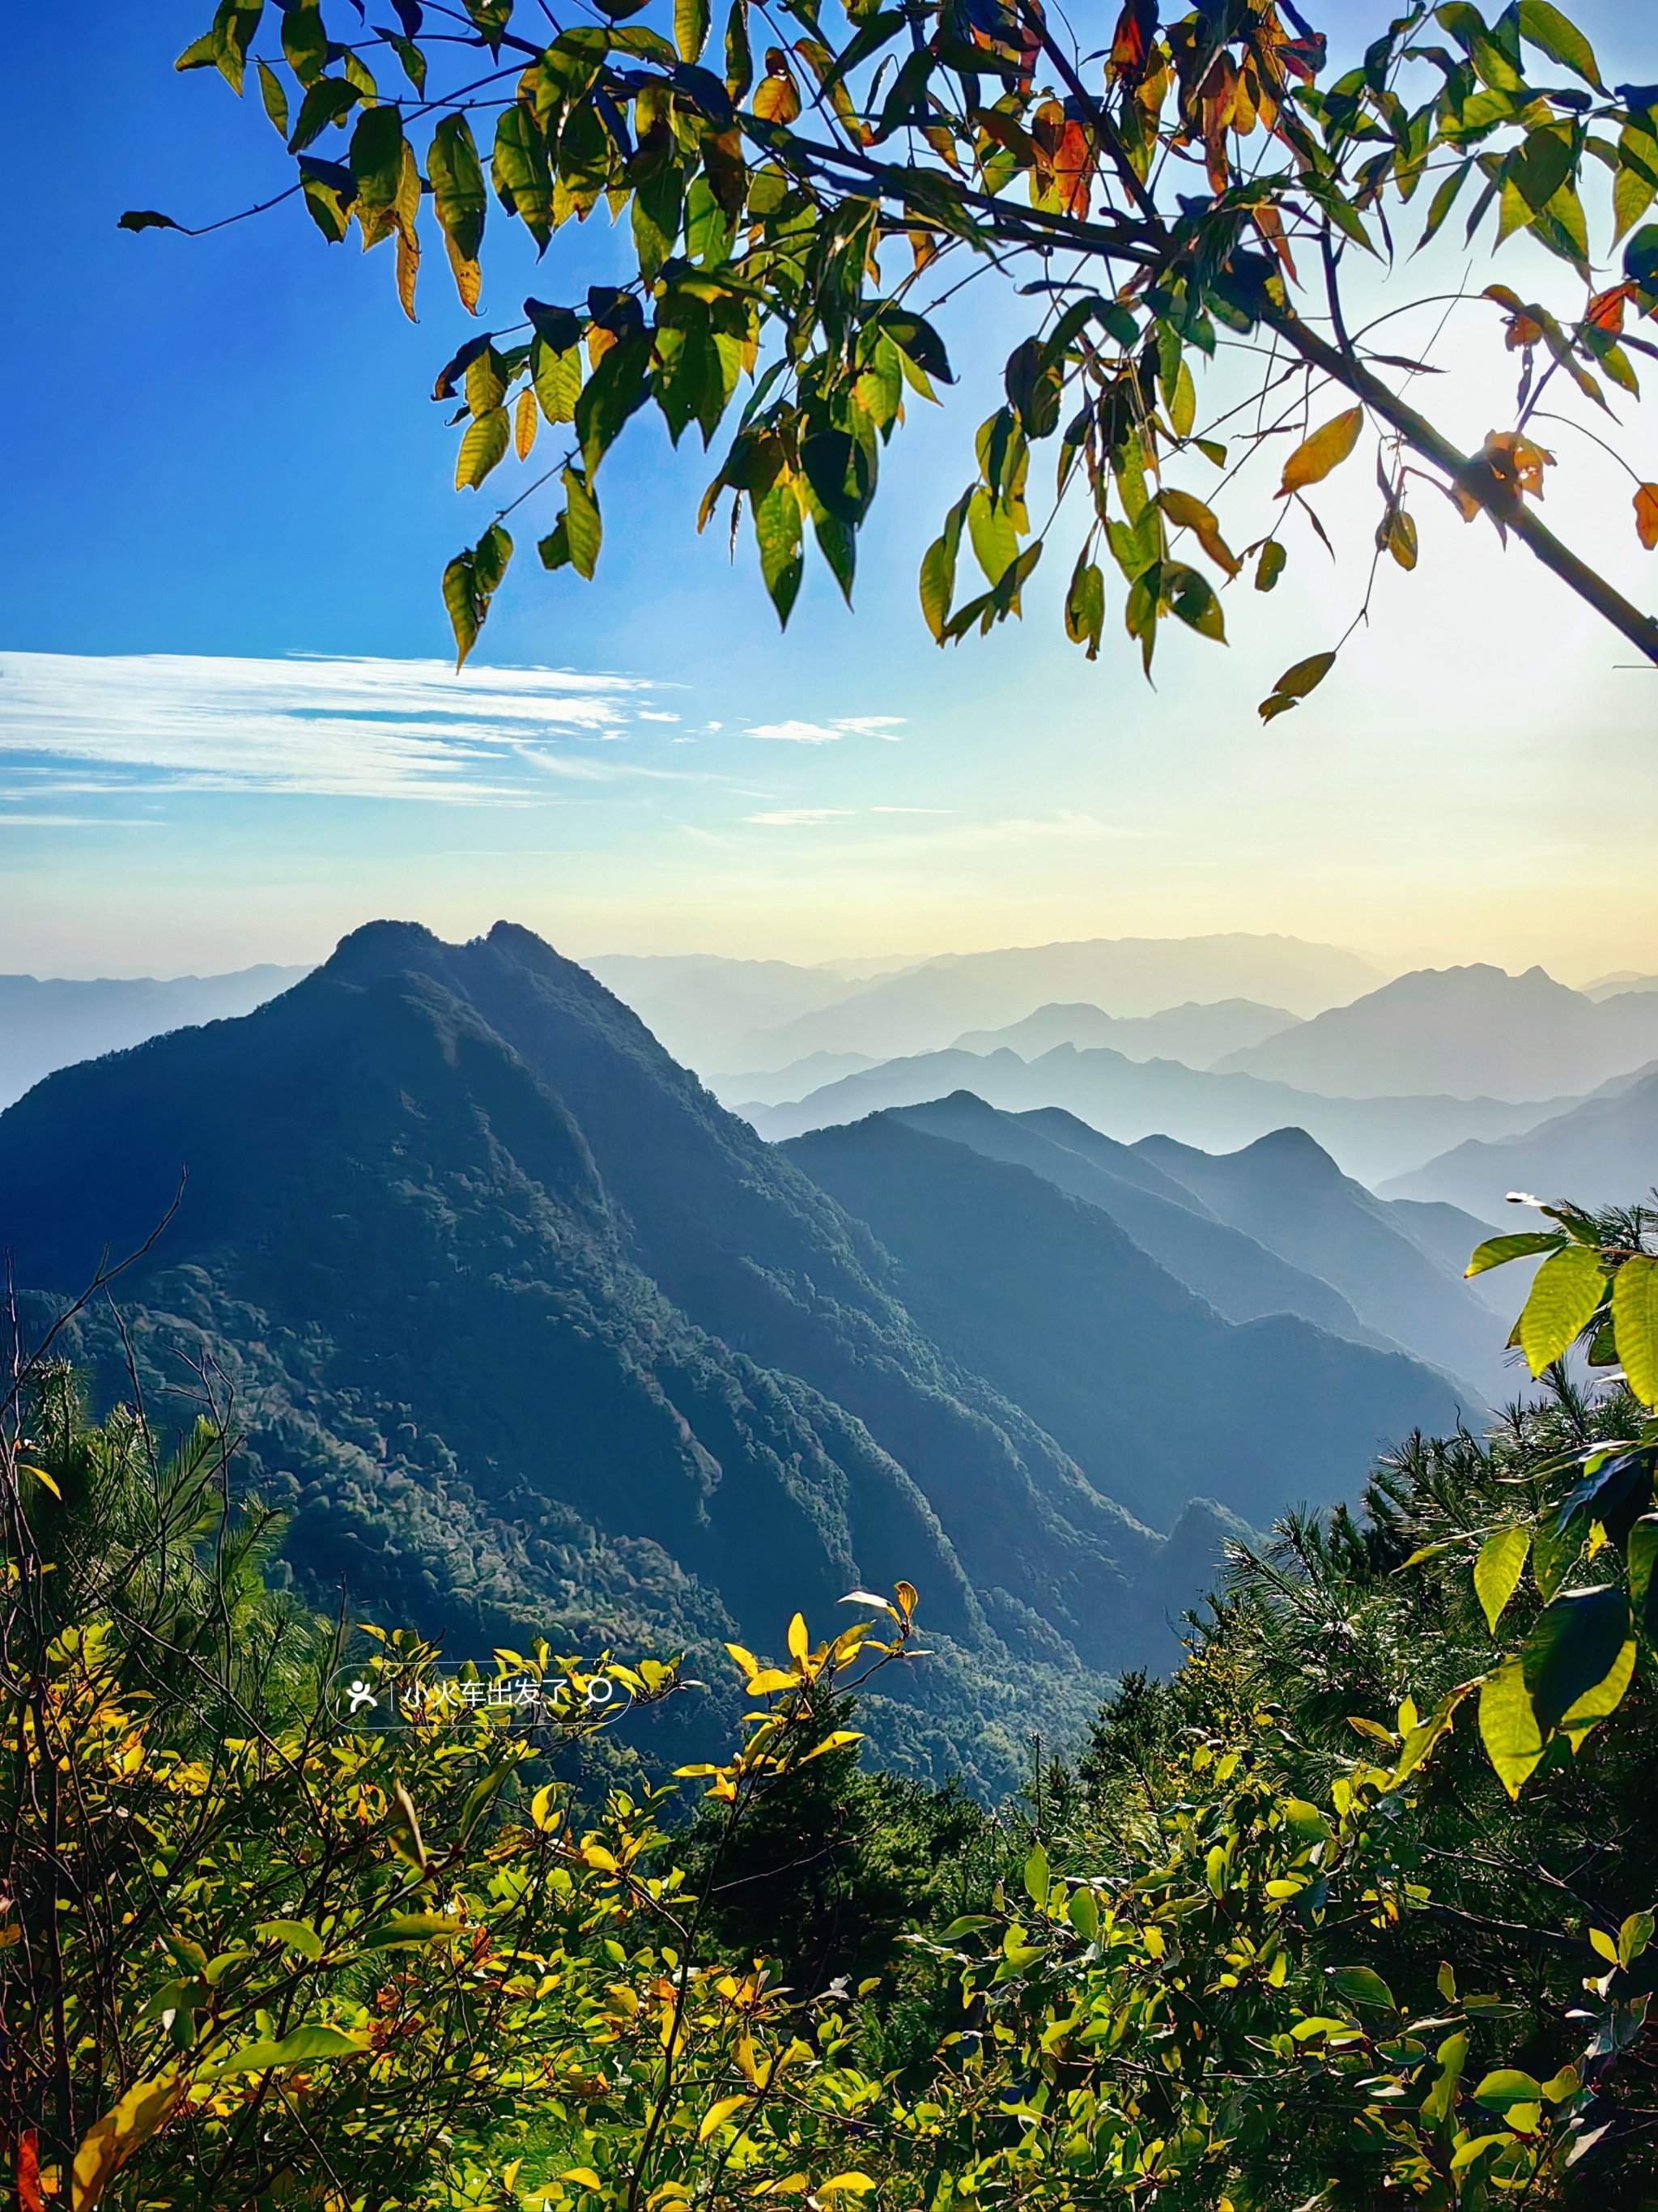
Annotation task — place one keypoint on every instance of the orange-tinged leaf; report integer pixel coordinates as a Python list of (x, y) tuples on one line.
[(1515, 462), (1327, 448), (1606, 309), (1646, 515), (1190, 513), (28, 2172)]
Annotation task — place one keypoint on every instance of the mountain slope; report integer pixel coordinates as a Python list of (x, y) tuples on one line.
[(1240, 1278), (1197, 1035), (1129, 1099), (524, 1330), (921, 1009), (51, 1023), (1473, 1032), (1045, 1294), (1603, 1152), (1286, 1192)]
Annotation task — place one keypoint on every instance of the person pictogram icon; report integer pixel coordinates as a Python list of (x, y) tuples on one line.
[(360, 1695)]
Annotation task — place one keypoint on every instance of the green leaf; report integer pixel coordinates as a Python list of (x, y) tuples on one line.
[(1508, 2086), (293, 1936), (330, 192), (690, 28), (1635, 1326), (995, 541), (1440, 2101), (330, 101), (1497, 1569), (408, 1928), (469, 583), (146, 219), (1641, 1554), (739, 61), (1557, 37), (483, 449), (1183, 402), (615, 390), (1085, 605), (1540, 166), (1575, 1649), (1497, 1251), (376, 158), (1270, 567), (271, 92), (777, 531), (1565, 1295), (1082, 1912), (302, 2047), (1443, 201), (1363, 1985), (1295, 683), (1508, 1726), (458, 196), (304, 42), (1037, 1876), (1191, 598), (583, 528)]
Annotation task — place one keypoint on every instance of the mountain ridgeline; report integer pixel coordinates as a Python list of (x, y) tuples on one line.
[(528, 1334)]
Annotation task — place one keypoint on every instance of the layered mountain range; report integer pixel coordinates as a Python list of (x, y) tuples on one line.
[(528, 1334)]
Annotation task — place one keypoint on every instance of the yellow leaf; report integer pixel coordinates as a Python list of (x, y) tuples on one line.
[(907, 1597), (745, 1659), (42, 1477), (524, 423), (107, 2145), (1646, 515), (469, 277), (769, 1679), (851, 2184), (583, 2175), (777, 96), (1327, 448), (799, 1643), (717, 2114)]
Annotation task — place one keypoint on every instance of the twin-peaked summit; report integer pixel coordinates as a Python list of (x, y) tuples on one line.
[(528, 1333)]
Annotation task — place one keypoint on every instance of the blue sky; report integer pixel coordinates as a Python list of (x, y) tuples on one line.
[(226, 730)]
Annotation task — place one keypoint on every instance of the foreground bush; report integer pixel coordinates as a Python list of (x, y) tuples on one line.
[(1291, 1935)]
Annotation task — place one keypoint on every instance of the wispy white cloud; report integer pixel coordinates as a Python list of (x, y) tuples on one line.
[(341, 729), (830, 733), (80, 822), (800, 818), (912, 810)]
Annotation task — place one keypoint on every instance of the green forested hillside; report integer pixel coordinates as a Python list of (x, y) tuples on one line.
[(1047, 1295)]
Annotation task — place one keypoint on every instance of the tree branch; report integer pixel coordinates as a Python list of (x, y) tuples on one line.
[(1471, 477)]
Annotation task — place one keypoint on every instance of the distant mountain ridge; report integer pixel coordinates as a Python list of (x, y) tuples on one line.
[(1604, 1152), (921, 1009), (1372, 1138), (1473, 1032), (47, 1023), (1196, 1034)]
